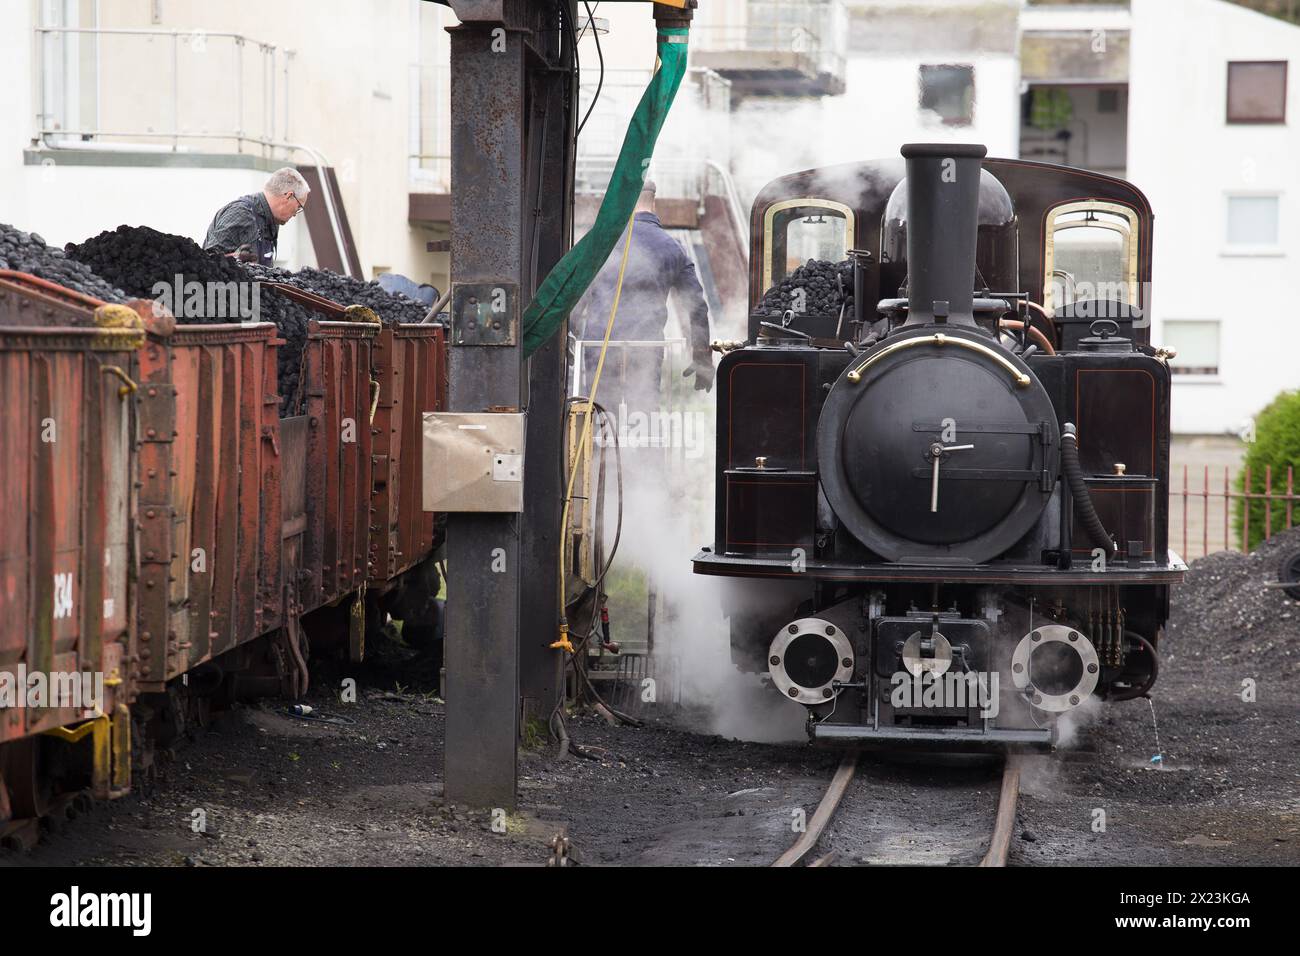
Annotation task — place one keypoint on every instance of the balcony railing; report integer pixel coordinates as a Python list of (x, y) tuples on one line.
[(783, 38), (152, 89)]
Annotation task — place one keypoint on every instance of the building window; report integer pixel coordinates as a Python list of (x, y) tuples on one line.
[(1253, 221), (1197, 344), (949, 91), (1257, 92)]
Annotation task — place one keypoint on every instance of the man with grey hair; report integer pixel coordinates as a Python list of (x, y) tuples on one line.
[(249, 227)]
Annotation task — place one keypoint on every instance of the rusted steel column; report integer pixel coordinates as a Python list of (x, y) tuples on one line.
[(490, 68)]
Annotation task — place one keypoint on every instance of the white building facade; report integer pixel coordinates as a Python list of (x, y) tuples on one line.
[(1214, 141)]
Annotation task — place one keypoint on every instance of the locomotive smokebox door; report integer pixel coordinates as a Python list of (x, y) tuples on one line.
[(937, 446)]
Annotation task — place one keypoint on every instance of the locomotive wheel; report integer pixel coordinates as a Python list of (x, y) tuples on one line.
[(23, 770), (1288, 572)]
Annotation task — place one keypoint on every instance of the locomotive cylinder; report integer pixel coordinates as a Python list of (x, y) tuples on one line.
[(943, 190)]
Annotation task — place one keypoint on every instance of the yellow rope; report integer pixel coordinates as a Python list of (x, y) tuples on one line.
[(563, 643)]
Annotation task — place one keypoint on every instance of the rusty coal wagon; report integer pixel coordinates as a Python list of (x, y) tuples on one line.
[(171, 542)]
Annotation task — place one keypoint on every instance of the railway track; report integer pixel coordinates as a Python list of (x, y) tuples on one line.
[(999, 840)]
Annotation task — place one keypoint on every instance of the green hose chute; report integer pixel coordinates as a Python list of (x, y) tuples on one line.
[(566, 283)]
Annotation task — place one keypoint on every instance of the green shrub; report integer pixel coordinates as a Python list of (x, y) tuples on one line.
[(1276, 446)]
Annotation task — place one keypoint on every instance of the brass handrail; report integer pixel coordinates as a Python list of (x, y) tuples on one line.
[(939, 338)]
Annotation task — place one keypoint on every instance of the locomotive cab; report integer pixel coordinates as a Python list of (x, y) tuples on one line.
[(947, 438)]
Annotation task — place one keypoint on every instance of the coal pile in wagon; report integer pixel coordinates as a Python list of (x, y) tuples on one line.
[(27, 252), (826, 288), (137, 259), (1223, 613), (345, 290)]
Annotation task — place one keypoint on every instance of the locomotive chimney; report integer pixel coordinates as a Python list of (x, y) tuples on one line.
[(943, 192)]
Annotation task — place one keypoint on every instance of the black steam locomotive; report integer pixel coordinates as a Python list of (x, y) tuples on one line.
[(942, 492)]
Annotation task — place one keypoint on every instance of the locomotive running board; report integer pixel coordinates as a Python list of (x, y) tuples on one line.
[(954, 740)]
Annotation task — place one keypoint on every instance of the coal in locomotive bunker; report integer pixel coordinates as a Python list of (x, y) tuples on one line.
[(818, 287)]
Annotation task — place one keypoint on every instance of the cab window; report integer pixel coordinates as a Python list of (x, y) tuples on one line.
[(1091, 254), (796, 230)]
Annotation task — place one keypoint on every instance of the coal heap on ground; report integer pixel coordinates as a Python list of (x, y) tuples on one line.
[(1223, 614), (827, 286), (137, 258), (390, 307), (27, 252)]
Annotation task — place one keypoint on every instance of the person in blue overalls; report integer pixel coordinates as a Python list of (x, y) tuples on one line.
[(249, 227), (658, 268)]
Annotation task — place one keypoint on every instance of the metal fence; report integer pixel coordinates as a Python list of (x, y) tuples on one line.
[(1213, 516)]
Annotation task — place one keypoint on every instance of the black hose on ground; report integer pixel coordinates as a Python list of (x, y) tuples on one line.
[(1079, 490)]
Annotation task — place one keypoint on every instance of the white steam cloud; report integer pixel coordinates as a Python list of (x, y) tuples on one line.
[(667, 517)]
